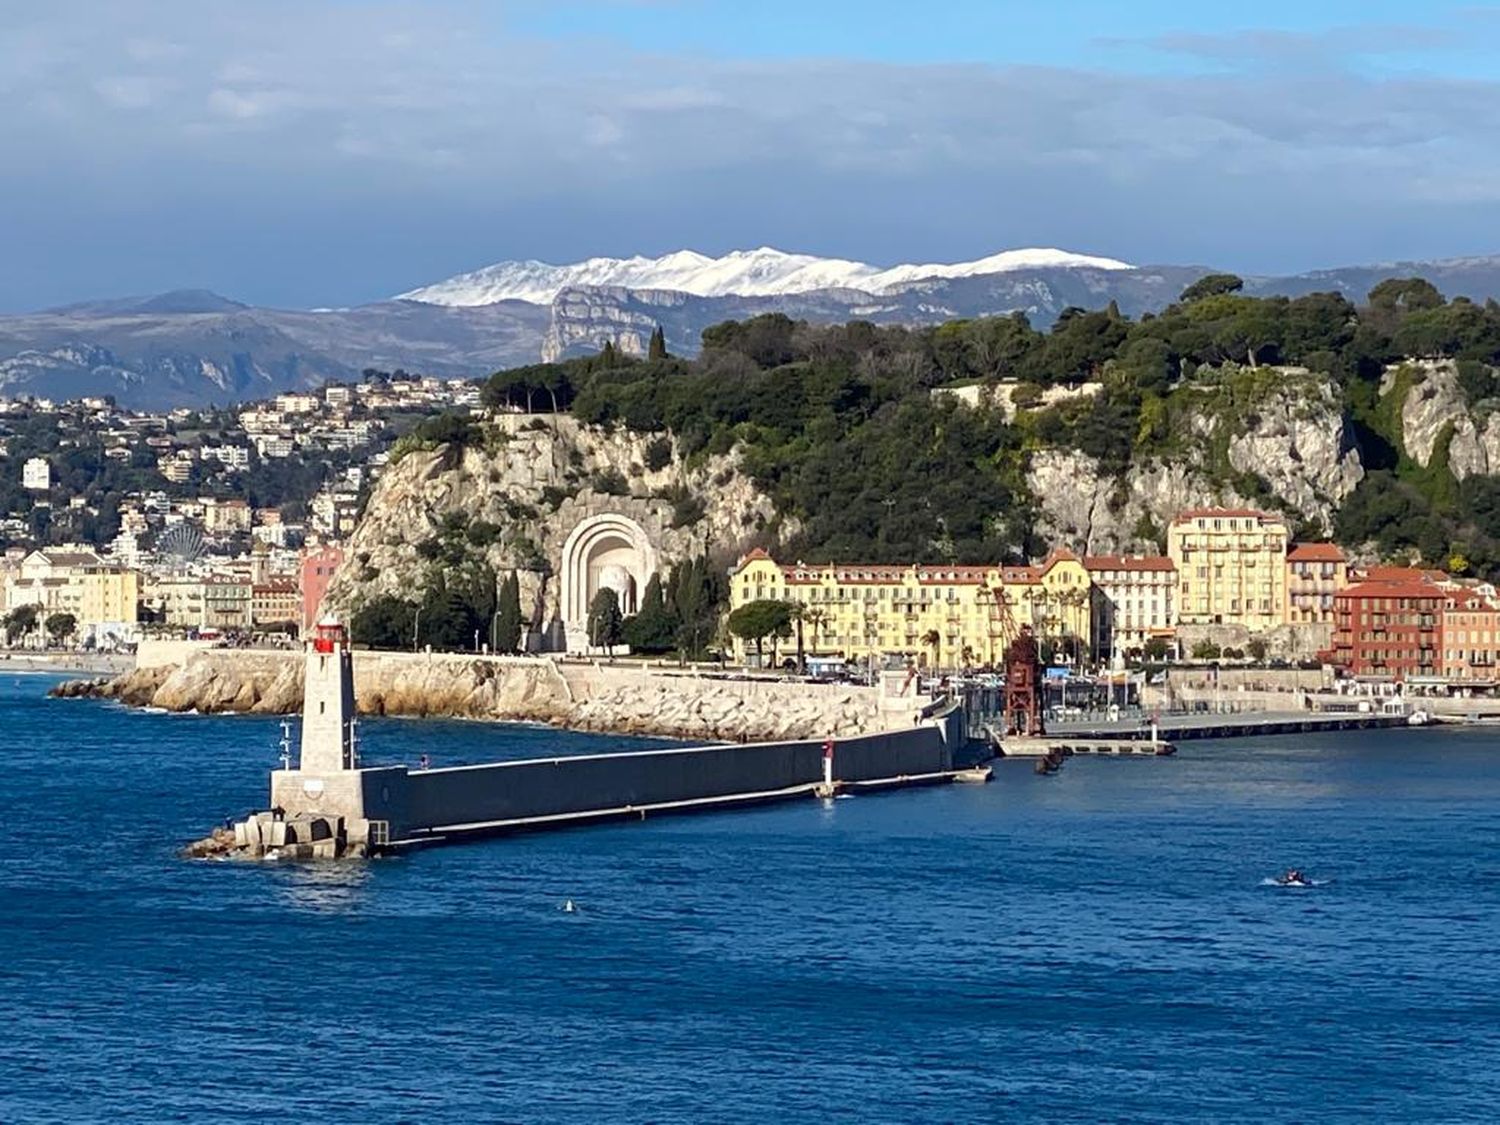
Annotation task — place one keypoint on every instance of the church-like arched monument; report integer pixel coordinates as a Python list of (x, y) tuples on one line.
[(607, 550)]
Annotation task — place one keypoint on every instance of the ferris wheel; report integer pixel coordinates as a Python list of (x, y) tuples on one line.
[(181, 544)]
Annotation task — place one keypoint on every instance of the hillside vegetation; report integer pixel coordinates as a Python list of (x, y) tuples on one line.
[(841, 427)]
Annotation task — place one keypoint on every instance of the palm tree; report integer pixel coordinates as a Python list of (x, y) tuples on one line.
[(798, 614), (817, 618), (931, 639)]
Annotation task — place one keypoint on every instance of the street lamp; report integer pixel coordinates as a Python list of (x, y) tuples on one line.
[(416, 619)]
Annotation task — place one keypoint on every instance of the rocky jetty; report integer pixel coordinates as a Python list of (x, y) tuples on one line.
[(619, 698), (727, 710)]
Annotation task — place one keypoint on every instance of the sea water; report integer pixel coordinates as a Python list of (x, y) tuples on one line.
[(1098, 945)]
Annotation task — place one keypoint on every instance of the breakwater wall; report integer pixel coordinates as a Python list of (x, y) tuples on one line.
[(626, 697), (392, 806)]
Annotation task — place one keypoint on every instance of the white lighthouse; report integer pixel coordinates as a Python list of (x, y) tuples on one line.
[(328, 702)]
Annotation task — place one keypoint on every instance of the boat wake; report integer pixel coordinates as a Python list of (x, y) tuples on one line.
[(1300, 883)]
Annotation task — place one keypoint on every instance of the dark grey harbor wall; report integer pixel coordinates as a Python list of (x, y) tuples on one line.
[(472, 796)]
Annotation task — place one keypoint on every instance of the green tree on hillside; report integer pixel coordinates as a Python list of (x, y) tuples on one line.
[(757, 620), (385, 622), (1211, 285), (657, 349), (605, 622), (507, 620), (654, 628)]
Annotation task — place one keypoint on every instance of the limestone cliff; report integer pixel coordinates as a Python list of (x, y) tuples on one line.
[(514, 498), (1437, 420), (1270, 437)]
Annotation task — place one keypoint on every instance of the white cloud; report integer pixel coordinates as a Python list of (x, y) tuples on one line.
[(436, 109)]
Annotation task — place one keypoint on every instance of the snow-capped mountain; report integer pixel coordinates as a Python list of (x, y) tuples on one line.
[(743, 273)]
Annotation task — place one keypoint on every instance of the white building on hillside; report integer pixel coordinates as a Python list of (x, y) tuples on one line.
[(36, 475)]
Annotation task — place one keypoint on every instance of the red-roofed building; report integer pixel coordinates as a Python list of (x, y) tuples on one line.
[(1315, 572), (1471, 638), (1389, 629), (932, 614), (1134, 601)]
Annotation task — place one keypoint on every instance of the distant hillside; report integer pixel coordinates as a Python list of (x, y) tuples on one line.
[(197, 348), (1377, 422)]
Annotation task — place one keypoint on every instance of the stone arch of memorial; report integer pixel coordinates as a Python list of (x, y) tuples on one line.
[(607, 550)]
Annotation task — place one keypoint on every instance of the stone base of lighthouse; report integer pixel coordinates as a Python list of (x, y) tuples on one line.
[(328, 806)]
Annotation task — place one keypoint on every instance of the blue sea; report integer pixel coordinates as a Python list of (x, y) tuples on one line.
[(1095, 946)]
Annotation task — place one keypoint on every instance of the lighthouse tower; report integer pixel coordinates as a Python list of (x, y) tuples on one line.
[(328, 702)]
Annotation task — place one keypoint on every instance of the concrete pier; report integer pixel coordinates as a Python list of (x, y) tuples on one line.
[(329, 805), (1178, 728)]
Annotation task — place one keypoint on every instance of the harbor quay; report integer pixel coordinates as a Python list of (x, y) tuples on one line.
[(328, 805)]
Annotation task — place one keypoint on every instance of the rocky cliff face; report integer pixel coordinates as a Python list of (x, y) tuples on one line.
[(1290, 449), (533, 480), (1435, 411)]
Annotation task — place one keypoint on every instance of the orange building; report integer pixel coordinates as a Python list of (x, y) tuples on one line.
[(1471, 638), (1315, 572)]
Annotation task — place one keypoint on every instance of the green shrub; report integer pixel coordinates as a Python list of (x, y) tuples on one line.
[(610, 482), (658, 453)]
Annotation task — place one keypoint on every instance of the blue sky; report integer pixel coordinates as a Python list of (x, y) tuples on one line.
[(320, 152)]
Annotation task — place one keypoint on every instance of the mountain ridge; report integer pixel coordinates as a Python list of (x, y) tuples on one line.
[(763, 272), (195, 348)]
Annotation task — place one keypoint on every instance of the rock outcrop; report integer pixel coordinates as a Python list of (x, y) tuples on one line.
[(1289, 448), (1302, 448), (1436, 410), (528, 485), (1083, 508)]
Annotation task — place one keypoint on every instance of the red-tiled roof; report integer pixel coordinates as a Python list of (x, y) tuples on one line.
[(1128, 562), (1391, 590), (757, 553), (1315, 552), (1400, 574)]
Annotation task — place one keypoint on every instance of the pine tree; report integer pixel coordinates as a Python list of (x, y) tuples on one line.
[(658, 346), (605, 621), (608, 357), (695, 603), (508, 616), (654, 628)]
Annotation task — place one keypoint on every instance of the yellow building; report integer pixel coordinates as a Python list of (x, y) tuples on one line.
[(1315, 572), (938, 616), (102, 598), (1231, 567), (111, 596)]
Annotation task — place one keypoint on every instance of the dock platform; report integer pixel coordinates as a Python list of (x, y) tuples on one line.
[(1083, 743), (1178, 728)]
